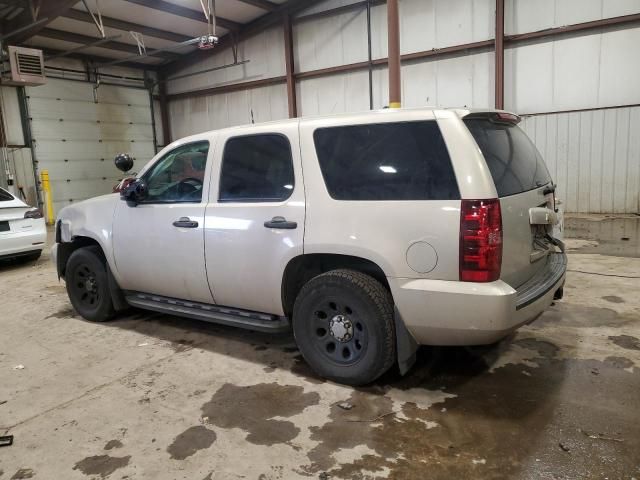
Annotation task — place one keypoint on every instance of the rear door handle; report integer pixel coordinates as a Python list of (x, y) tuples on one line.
[(185, 222), (280, 222)]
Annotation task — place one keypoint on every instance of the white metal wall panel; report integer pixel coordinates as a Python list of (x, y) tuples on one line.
[(523, 16), (428, 24), (76, 138), (264, 51), (451, 82), (157, 116), (587, 71), (326, 5), (594, 156), (200, 114), (329, 41), (11, 114), (347, 92)]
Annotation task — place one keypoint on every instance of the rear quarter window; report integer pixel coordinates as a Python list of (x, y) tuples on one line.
[(386, 161), (513, 160)]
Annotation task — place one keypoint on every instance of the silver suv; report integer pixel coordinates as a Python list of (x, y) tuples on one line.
[(366, 234)]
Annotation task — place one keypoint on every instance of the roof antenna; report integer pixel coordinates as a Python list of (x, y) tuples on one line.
[(252, 120)]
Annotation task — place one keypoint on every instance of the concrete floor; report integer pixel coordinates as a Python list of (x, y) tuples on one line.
[(157, 397)]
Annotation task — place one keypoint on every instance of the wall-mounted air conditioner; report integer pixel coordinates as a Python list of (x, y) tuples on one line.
[(27, 67)]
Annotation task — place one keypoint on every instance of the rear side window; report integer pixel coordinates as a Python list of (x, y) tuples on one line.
[(256, 168), (5, 196), (386, 161), (513, 160)]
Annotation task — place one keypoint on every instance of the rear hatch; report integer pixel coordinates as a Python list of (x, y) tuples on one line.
[(525, 190)]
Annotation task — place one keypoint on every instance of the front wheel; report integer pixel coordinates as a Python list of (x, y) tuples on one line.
[(88, 285), (343, 325)]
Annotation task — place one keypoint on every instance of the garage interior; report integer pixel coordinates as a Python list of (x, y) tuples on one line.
[(150, 395)]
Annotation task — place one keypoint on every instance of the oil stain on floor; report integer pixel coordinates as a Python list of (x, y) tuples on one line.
[(517, 422), (254, 408), (101, 465), (626, 341), (190, 441)]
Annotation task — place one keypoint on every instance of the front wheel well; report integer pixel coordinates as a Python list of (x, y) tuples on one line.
[(66, 249), (303, 268)]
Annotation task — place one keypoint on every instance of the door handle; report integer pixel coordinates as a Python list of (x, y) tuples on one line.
[(185, 222), (280, 222)]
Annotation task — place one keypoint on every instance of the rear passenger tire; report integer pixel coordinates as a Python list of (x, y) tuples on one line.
[(87, 284), (343, 325)]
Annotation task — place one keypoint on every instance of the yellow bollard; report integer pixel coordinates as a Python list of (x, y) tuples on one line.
[(46, 187)]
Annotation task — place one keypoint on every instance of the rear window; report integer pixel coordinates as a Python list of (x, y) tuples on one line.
[(5, 196), (513, 160), (387, 161)]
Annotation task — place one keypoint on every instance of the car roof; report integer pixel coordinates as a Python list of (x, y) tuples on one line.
[(374, 114)]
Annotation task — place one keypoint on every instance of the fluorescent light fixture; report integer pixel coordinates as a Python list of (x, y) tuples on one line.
[(388, 169)]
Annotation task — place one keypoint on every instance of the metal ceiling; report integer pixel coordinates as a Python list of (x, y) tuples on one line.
[(66, 27)]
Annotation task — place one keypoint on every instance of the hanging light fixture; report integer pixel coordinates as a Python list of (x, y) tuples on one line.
[(210, 40)]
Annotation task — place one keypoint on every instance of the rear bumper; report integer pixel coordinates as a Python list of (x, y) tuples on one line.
[(23, 242), (438, 312)]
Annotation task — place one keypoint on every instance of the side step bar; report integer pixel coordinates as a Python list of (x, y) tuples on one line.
[(261, 322)]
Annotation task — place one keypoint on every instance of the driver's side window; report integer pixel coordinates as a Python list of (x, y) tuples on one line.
[(179, 175)]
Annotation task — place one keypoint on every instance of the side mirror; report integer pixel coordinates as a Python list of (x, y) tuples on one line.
[(135, 192), (124, 162)]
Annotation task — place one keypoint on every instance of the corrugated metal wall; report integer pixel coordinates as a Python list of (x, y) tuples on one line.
[(596, 69), (594, 157)]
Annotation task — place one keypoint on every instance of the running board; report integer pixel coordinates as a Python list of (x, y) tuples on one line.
[(261, 322)]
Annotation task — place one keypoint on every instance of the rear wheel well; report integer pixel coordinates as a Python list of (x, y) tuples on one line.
[(66, 249), (305, 267)]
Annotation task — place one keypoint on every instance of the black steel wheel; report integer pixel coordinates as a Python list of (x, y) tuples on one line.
[(87, 284), (343, 324), (338, 332)]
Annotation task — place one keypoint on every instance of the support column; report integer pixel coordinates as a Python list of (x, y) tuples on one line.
[(290, 67), (393, 27), (164, 109), (499, 55)]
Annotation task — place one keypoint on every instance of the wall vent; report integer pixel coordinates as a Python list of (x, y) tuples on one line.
[(27, 67)]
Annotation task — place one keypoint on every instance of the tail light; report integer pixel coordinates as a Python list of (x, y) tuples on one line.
[(480, 240), (36, 213)]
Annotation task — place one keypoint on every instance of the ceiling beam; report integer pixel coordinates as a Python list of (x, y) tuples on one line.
[(184, 12), (49, 10), (247, 31), (93, 59), (263, 4), (84, 39), (126, 26)]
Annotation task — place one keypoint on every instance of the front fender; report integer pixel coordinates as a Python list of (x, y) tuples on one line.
[(91, 219)]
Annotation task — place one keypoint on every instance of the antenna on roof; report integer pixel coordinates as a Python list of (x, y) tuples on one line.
[(252, 120)]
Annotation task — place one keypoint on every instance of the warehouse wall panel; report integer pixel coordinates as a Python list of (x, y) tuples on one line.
[(195, 115), (573, 72), (11, 114), (348, 92), (330, 41), (428, 24), (266, 60), (528, 16), (465, 81), (594, 156)]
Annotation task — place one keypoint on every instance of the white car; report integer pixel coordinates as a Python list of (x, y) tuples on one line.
[(23, 232), (366, 234)]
